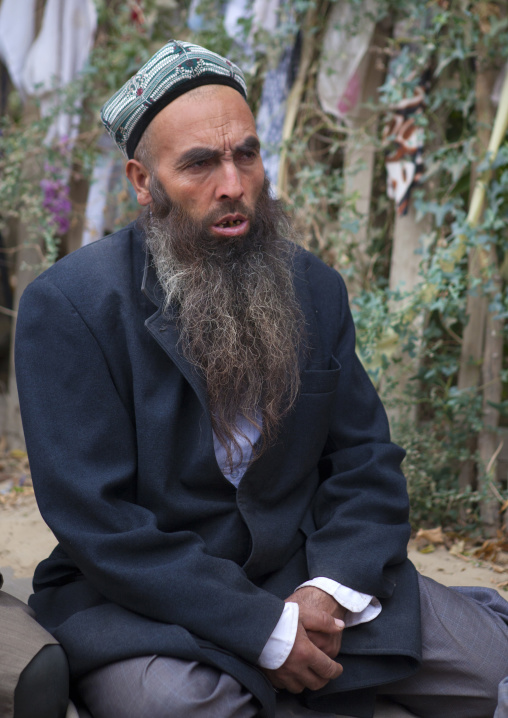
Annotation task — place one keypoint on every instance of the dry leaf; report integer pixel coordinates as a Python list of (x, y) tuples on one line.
[(458, 549), (429, 548), (435, 536), (487, 551)]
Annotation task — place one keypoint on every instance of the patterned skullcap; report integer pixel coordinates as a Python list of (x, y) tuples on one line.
[(175, 69)]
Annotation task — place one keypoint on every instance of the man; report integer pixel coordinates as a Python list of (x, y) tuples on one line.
[(212, 457)]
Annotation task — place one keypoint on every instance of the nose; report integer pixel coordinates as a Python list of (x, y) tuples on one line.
[(229, 184)]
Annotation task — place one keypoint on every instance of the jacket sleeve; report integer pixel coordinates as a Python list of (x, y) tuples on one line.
[(81, 443), (361, 508)]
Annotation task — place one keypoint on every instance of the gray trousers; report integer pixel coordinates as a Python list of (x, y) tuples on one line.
[(465, 657)]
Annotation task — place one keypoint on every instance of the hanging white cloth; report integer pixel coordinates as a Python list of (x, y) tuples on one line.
[(17, 30), (344, 46), (58, 54), (99, 190), (271, 115), (264, 14)]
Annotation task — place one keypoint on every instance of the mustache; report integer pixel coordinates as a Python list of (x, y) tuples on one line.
[(229, 207)]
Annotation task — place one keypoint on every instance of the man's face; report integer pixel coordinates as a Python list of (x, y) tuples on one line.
[(206, 157)]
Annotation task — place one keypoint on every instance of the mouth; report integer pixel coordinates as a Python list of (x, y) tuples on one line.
[(232, 225)]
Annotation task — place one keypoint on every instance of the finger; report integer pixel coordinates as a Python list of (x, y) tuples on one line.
[(314, 682), (296, 681), (284, 679), (323, 641), (276, 681), (324, 667), (295, 686), (326, 643), (317, 620)]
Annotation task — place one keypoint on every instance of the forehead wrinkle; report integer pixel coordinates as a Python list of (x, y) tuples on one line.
[(223, 137)]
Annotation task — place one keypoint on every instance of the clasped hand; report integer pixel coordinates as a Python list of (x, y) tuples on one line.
[(318, 639)]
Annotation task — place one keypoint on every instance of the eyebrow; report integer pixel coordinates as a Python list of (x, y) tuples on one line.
[(202, 154)]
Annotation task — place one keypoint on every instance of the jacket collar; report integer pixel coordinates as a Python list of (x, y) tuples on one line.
[(150, 285)]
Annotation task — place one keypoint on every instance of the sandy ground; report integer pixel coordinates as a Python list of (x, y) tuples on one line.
[(24, 537), (25, 540)]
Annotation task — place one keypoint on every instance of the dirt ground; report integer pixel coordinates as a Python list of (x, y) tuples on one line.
[(25, 540)]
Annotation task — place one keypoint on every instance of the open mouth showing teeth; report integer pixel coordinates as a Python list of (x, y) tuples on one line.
[(233, 223)]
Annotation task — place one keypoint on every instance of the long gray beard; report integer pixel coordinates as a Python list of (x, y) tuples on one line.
[(240, 323)]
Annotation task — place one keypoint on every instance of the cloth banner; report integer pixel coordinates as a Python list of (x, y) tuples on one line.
[(345, 44)]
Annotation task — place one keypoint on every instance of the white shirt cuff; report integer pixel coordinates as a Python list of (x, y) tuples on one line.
[(279, 645), (361, 607)]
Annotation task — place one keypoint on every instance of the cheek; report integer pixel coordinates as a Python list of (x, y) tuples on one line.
[(257, 182)]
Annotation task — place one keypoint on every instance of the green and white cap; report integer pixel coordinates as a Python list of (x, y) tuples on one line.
[(175, 69)]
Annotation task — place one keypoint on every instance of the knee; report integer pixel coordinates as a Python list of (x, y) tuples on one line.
[(201, 691), (162, 687), (43, 686)]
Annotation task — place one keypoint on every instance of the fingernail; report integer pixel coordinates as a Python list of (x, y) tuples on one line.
[(339, 623)]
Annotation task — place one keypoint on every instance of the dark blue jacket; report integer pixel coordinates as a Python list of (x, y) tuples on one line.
[(158, 552)]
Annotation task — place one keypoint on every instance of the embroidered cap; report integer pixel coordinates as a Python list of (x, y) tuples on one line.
[(175, 69)]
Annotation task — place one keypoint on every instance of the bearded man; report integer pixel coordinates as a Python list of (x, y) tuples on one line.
[(212, 458)]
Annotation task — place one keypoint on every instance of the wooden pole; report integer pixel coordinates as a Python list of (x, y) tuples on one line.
[(359, 156), (482, 345)]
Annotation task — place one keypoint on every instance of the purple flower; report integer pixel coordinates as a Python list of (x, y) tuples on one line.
[(56, 199)]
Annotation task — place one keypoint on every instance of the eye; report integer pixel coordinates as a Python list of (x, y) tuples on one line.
[(199, 164), (247, 155)]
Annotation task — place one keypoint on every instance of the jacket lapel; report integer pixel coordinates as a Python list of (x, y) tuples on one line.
[(164, 329)]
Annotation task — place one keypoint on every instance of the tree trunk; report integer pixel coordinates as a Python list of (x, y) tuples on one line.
[(409, 239), (359, 155), (489, 442), (471, 359), (482, 351)]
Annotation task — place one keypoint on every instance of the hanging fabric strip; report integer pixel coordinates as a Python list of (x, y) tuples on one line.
[(403, 141), (17, 30), (345, 44), (404, 93), (99, 189)]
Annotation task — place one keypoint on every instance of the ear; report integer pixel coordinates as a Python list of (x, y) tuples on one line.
[(139, 177)]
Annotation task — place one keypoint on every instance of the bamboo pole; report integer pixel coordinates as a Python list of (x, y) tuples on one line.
[(477, 201), (429, 291)]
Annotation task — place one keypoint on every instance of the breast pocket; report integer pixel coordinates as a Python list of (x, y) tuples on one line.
[(321, 381)]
